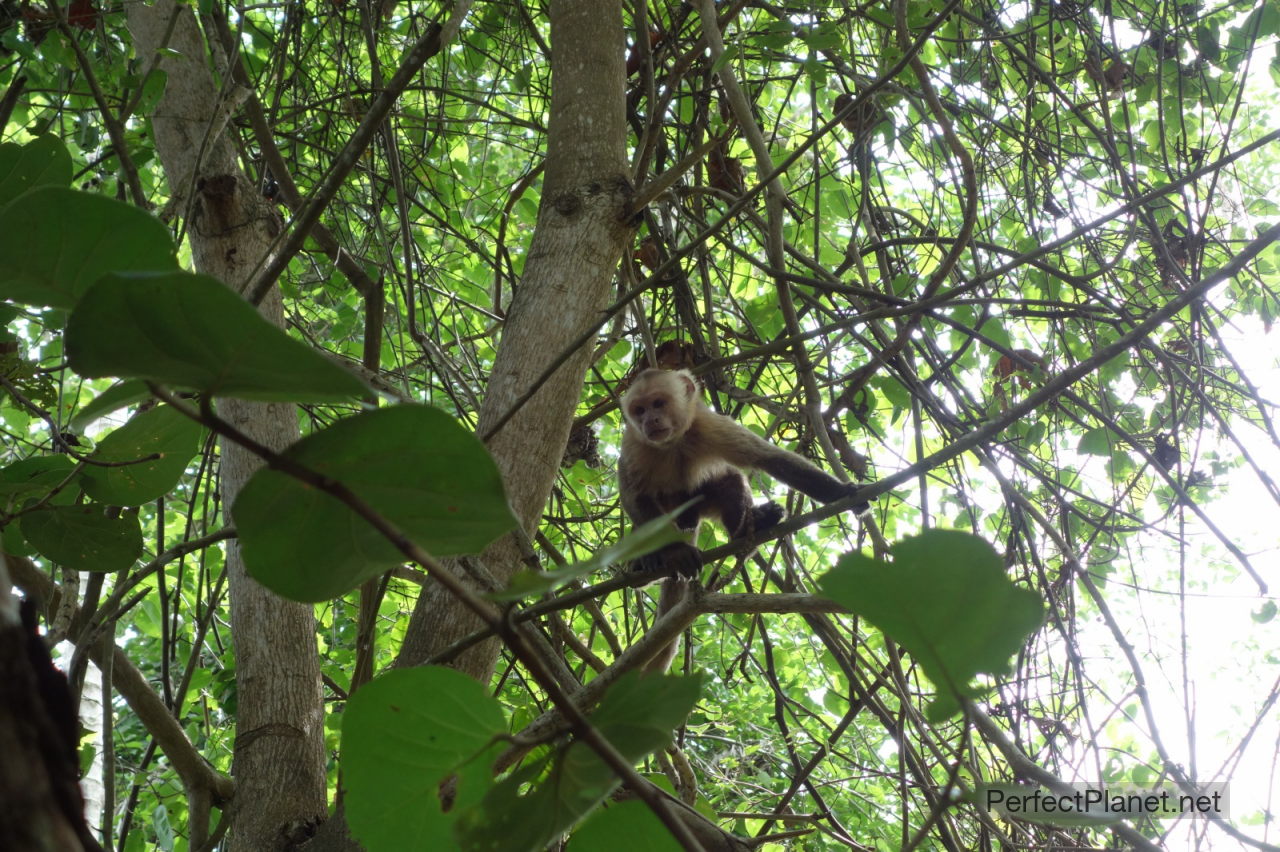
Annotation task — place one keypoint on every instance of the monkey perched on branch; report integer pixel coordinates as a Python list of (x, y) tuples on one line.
[(675, 449)]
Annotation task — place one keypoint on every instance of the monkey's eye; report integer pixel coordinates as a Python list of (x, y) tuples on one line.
[(638, 410), (657, 403)]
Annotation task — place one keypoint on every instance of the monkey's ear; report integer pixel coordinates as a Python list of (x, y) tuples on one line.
[(687, 383)]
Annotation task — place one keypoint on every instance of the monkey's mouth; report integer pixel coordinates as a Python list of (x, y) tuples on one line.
[(658, 436)]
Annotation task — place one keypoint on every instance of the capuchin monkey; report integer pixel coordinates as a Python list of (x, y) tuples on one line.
[(675, 449)]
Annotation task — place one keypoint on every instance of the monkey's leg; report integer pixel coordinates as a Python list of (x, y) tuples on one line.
[(729, 496), (680, 559)]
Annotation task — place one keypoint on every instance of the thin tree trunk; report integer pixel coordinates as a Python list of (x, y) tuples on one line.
[(93, 721), (575, 251), (279, 760)]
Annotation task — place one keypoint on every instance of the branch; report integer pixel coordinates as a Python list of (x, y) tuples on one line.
[(343, 260), (1025, 766), (431, 43), (1068, 377)]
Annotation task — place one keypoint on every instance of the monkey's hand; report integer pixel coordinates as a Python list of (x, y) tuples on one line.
[(675, 560), (764, 517)]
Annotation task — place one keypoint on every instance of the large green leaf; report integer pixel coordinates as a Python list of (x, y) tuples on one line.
[(628, 826), (34, 476), (115, 397), (1097, 442), (43, 161), (190, 331), (55, 242), (945, 598), (637, 716), (402, 734), (161, 432), (83, 537), (415, 465)]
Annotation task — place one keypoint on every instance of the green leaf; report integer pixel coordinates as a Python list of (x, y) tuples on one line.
[(628, 826), (1207, 42), (44, 161), (1270, 23), (113, 398), (1097, 442), (1036, 434), (55, 242), (191, 332), (945, 599), (34, 476), (639, 712), (644, 539), (637, 716), (152, 91), (13, 542), (1265, 613), (824, 37), (402, 734), (162, 827), (416, 466), (730, 53), (83, 537), (160, 432)]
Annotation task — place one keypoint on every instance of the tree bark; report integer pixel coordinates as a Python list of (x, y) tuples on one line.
[(279, 760), (41, 807), (575, 251)]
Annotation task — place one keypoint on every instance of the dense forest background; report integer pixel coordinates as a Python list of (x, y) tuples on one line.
[(1013, 266)]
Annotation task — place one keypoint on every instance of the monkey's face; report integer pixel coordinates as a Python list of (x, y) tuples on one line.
[(655, 417), (660, 406)]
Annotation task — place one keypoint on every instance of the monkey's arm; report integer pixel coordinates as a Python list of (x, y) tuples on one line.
[(745, 448), (679, 559), (803, 475), (639, 507)]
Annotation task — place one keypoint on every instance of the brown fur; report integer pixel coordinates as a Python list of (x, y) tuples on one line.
[(675, 449)]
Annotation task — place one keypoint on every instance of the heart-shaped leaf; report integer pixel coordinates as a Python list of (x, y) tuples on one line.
[(404, 733), (191, 332), (946, 599), (56, 242), (84, 537), (415, 465), (162, 436), (43, 161)]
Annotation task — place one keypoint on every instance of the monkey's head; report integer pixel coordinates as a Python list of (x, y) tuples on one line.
[(660, 405)]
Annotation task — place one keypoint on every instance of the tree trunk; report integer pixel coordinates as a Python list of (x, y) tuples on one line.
[(93, 719), (576, 247), (575, 251), (279, 760)]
